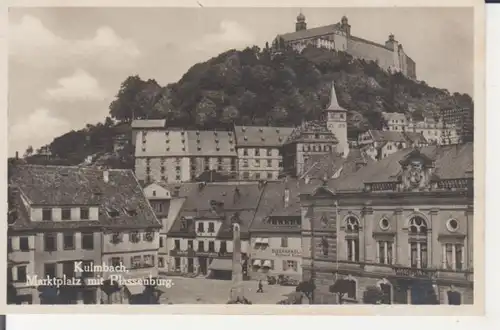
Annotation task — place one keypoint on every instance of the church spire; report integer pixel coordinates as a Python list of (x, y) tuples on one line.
[(334, 104)]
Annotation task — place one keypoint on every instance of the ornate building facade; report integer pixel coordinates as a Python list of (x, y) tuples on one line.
[(403, 224)]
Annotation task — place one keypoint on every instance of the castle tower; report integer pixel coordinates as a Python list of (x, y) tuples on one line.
[(301, 22), (336, 121), (393, 44)]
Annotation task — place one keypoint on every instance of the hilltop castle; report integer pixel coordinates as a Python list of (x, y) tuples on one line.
[(390, 56)]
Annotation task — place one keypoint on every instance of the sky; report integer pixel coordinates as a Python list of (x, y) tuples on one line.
[(66, 64)]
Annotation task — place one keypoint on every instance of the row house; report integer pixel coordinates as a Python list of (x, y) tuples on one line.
[(259, 151), (275, 233), (200, 240), (62, 217), (380, 144), (403, 224), (175, 156)]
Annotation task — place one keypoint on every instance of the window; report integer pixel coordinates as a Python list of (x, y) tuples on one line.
[(352, 238), (50, 242), (257, 152), (24, 244), (453, 256), (201, 227), (50, 270), (161, 241), (177, 263), (149, 261), (161, 262), (223, 247), (257, 176), (177, 244), (116, 261), (246, 176), (69, 241), (21, 274), (284, 242), (157, 207), (269, 153), (385, 252), (245, 152), (66, 214), (149, 236), (88, 241), (84, 213), (190, 244), (211, 246), (290, 265), (135, 262), (418, 242), (68, 269), (211, 227), (201, 246), (47, 214), (134, 237), (116, 238), (269, 175), (269, 163), (245, 162), (257, 163)]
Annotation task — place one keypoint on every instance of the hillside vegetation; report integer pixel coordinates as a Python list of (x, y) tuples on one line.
[(254, 87)]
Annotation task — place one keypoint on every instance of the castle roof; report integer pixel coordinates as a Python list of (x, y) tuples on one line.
[(312, 131), (311, 33), (67, 186), (261, 136)]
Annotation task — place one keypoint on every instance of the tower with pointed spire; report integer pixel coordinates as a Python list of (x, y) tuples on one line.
[(336, 121)]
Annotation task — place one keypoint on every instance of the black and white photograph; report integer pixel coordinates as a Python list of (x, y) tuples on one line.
[(260, 155)]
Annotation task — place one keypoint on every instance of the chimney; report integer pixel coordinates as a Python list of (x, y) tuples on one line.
[(105, 176), (287, 197), (17, 154)]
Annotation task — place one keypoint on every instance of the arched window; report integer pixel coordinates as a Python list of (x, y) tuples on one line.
[(352, 237), (417, 240)]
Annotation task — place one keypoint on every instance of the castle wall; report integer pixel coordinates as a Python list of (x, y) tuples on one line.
[(369, 52)]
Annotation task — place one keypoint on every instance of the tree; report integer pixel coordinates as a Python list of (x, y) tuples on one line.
[(29, 152), (307, 288), (373, 295), (229, 114), (341, 287)]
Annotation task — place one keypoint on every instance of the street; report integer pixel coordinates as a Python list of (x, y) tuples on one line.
[(208, 291)]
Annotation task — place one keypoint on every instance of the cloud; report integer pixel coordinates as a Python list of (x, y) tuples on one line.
[(230, 35), (38, 129), (30, 42), (79, 86)]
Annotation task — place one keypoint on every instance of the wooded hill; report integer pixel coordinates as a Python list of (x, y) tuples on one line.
[(256, 87)]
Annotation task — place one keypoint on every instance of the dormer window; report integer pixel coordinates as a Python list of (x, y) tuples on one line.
[(112, 212), (130, 211), (47, 214)]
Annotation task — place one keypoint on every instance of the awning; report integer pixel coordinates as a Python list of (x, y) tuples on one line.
[(267, 263), (221, 264), (135, 288), (258, 240), (257, 262), (265, 240)]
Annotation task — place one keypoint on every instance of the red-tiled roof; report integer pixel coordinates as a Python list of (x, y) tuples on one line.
[(261, 136), (83, 186), (450, 161)]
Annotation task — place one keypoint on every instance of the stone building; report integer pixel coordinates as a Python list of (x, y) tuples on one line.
[(61, 215), (403, 224), (259, 151), (389, 56)]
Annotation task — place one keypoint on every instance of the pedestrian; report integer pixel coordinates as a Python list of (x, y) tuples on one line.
[(260, 287)]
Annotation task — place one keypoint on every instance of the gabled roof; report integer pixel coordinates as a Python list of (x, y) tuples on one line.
[(450, 162), (387, 136), (148, 123), (311, 33), (415, 137), (261, 136), (57, 186), (393, 116), (309, 131)]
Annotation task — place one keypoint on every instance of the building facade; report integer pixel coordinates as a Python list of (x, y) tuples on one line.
[(410, 234), (62, 220), (390, 55), (260, 151)]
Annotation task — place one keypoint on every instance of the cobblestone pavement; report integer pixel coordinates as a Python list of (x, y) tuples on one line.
[(209, 291)]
